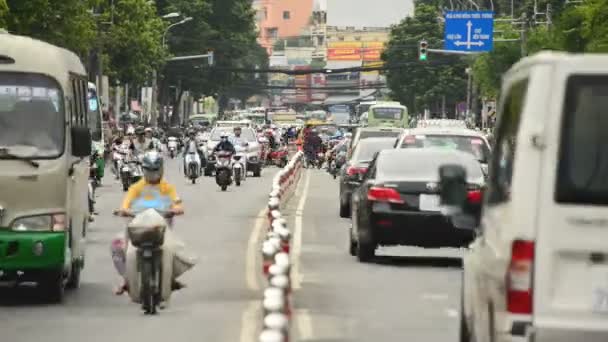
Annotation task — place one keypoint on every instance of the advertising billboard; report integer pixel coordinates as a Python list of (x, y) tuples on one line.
[(354, 51)]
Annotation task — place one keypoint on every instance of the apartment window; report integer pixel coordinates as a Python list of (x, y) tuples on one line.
[(358, 38), (341, 38), (286, 15)]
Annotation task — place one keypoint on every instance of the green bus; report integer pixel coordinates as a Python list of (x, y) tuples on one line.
[(388, 114)]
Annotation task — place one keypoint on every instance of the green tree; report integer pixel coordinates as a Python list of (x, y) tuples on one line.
[(3, 13), (421, 85), (133, 41), (66, 23)]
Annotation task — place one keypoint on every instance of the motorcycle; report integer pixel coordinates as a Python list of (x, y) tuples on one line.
[(264, 149), (279, 157), (223, 170), (339, 161), (320, 159), (192, 163), (239, 167), (172, 146), (131, 171)]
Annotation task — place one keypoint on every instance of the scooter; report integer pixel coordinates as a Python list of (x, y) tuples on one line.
[(192, 163), (279, 157), (238, 169), (223, 170), (149, 267), (131, 172), (172, 146)]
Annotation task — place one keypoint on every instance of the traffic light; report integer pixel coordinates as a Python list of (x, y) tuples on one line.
[(422, 51)]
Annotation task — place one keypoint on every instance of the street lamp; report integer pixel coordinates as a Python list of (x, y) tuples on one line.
[(183, 21)]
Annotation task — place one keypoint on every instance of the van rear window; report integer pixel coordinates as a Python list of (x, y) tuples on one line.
[(582, 175)]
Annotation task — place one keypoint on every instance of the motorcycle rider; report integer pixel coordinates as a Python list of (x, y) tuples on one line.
[(149, 133), (191, 137), (141, 144), (224, 144), (152, 185), (238, 140), (312, 145)]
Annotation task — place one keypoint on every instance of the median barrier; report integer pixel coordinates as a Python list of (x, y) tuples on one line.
[(276, 265)]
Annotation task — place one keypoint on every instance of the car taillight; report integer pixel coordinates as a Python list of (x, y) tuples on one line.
[(410, 139), (353, 171), (377, 194), (474, 196), (519, 277)]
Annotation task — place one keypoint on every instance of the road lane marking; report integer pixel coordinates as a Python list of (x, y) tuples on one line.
[(297, 235), (304, 324), (452, 313), (249, 321), (251, 269)]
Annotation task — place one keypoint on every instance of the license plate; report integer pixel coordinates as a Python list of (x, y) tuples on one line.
[(599, 288), (430, 202)]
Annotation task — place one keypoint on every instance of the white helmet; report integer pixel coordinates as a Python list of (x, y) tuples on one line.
[(131, 130)]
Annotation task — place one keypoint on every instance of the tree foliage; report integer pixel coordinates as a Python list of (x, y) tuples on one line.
[(3, 13), (423, 85), (66, 23), (133, 41)]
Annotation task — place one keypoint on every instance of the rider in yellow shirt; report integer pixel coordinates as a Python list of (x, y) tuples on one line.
[(152, 191)]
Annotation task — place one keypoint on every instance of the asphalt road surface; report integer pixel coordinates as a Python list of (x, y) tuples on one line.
[(216, 226), (406, 295)]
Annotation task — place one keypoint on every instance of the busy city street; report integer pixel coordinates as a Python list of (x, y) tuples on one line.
[(303, 170), (405, 293)]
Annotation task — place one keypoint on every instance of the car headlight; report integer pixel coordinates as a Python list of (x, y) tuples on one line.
[(253, 159), (40, 223)]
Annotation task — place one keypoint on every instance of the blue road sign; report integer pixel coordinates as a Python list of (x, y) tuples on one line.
[(469, 30)]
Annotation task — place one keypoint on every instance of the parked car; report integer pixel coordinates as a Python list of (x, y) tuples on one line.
[(397, 202), (356, 166), (538, 268), (462, 139)]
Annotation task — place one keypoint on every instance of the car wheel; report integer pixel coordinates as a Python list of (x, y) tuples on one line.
[(53, 287), (365, 251), (208, 172), (344, 210), (257, 172), (74, 280)]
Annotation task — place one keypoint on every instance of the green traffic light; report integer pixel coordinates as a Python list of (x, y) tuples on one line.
[(422, 57)]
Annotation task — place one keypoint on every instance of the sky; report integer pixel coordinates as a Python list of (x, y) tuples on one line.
[(366, 13)]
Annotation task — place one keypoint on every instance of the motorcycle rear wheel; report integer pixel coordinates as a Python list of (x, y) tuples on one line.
[(224, 187)]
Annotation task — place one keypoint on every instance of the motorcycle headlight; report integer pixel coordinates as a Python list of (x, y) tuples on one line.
[(40, 223)]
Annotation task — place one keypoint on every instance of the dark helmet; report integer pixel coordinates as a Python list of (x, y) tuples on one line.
[(140, 130)]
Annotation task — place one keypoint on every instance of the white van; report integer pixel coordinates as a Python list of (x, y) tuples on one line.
[(538, 270)]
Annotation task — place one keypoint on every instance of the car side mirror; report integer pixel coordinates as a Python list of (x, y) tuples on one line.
[(81, 141)]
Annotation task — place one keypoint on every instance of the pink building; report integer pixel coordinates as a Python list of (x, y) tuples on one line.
[(278, 19)]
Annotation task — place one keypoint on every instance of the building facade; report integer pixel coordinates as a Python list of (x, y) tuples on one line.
[(279, 19)]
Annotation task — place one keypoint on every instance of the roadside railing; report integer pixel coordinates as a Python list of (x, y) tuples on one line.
[(276, 264)]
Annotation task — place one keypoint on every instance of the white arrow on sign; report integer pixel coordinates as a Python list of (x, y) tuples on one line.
[(468, 43)]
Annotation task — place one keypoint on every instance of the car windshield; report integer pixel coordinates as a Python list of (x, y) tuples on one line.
[(31, 116), (366, 149), (470, 144), (247, 134), (387, 113)]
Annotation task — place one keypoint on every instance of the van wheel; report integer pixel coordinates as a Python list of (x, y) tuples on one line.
[(74, 280), (53, 287), (257, 172)]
